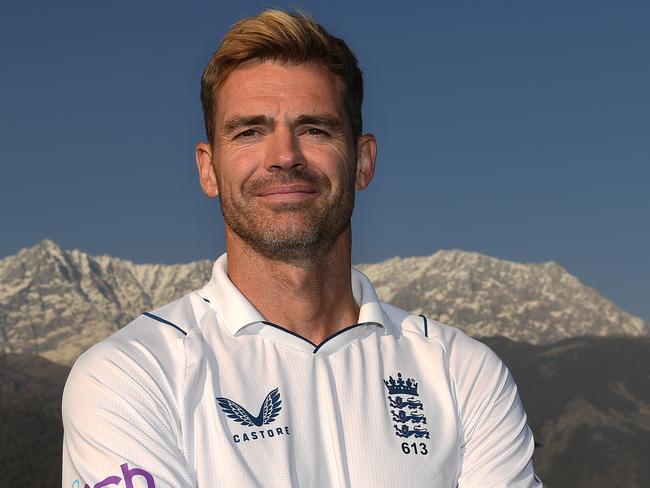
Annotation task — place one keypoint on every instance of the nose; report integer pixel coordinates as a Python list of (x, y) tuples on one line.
[(283, 152)]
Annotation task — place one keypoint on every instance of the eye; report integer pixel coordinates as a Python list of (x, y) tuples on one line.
[(248, 133), (315, 131)]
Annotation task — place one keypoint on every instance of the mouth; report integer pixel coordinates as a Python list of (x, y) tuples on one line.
[(288, 192)]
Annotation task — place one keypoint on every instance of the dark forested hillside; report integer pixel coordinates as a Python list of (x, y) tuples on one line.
[(30, 421), (588, 403)]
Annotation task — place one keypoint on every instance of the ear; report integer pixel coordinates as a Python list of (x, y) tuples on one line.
[(366, 157), (207, 175)]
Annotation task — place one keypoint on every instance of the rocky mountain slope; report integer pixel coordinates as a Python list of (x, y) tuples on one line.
[(537, 303), (56, 303), (588, 404)]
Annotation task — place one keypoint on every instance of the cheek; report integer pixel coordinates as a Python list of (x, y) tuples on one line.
[(235, 166), (332, 161)]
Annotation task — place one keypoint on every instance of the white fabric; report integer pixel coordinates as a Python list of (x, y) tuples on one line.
[(140, 408)]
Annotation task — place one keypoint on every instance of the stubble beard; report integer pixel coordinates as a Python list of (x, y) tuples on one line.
[(305, 239)]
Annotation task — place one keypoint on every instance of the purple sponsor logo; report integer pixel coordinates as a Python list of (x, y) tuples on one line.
[(115, 481)]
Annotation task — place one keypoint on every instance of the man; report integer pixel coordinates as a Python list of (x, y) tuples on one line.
[(285, 369)]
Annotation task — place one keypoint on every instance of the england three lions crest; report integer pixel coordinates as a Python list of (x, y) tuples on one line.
[(407, 411)]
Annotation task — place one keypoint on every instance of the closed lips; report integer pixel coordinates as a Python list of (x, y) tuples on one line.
[(283, 189)]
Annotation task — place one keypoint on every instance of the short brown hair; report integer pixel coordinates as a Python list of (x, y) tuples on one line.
[(292, 38)]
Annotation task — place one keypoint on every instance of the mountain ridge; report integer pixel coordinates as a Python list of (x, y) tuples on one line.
[(49, 297), (486, 296)]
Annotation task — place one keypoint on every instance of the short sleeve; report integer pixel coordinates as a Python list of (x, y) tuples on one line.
[(119, 423), (497, 444)]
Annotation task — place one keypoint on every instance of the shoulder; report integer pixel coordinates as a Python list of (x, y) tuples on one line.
[(469, 362), (148, 353), (158, 333), (451, 339), (127, 388)]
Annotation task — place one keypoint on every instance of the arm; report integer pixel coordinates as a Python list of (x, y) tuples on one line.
[(119, 423), (496, 443)]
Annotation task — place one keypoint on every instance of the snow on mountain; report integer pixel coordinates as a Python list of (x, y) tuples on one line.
[(57, 303), (485, 296)]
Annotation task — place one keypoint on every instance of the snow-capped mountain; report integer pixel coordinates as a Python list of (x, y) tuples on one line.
[(536, 303), (57, 303)]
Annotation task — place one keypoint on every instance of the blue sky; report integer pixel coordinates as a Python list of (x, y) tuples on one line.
[(518, 129)]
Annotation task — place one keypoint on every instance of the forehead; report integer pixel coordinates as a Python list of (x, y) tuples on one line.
[(271, 88)]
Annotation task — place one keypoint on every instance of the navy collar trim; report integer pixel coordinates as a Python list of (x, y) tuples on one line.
[(167, 322), (327, 339)]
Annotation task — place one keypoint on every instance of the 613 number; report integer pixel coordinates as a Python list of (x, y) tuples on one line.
[(415, 448)]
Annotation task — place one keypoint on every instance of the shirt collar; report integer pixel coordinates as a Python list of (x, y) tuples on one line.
[(237, 312)]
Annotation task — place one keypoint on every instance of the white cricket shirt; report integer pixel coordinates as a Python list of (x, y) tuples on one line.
[(203, 392)]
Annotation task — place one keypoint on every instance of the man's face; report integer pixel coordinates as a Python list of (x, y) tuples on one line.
[(284, 159)]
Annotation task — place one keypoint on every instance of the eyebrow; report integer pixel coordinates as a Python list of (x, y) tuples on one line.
[(240, 121), (332, 123)]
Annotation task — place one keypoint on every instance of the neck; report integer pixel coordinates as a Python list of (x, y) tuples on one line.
[(312, 298)]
